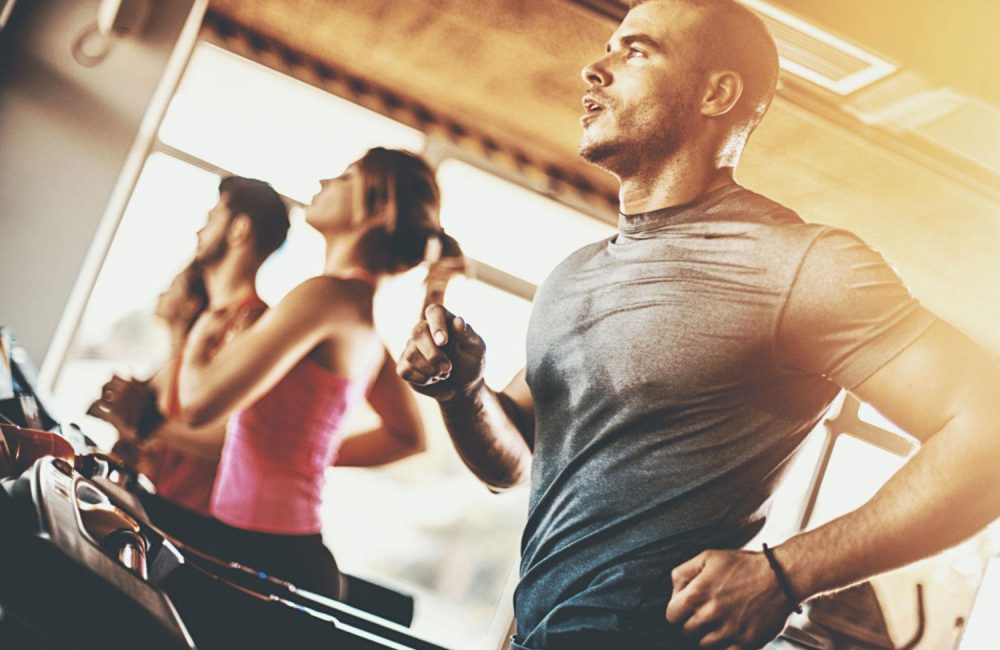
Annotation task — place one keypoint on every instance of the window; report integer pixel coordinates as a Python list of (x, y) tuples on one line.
[(253, 121), (424, 525), (508, 226), (857, 469), (154, 241), (439, 533)]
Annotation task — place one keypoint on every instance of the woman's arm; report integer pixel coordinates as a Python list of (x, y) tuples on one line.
[(203, 442), (402, 431), (251, 364)]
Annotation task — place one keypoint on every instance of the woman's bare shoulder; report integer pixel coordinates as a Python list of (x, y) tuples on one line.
[(329, 296)]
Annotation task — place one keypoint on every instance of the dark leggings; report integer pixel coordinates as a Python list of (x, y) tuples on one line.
[(601, 640), (302, 560)]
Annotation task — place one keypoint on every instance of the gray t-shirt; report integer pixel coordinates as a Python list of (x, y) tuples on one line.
[(675, 369)]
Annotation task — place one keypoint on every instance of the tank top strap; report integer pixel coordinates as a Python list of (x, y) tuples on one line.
[(173, 392)]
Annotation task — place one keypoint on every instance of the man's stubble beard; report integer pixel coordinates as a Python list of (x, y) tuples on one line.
[(645, 135), (213, 254), (608, 154), (624, 155)]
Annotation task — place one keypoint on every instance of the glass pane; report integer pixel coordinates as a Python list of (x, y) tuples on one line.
[(856, 472), (155, 240), (790, 496), (868, 413), (298, 259), (983, 631), (256, 122), (508, 226), (497, 316)]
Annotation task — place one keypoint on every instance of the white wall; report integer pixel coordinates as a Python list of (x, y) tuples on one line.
[(66, 132)]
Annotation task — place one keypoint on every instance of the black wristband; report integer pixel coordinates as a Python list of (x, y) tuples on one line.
[(149, 420), (783, 582)]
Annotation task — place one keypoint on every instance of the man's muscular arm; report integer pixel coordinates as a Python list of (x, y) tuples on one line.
[(944, 391), (491, 431)]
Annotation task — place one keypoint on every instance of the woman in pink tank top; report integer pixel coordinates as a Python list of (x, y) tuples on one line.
[(291, 379)]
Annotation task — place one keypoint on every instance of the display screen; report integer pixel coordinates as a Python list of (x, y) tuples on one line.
[(20, 403)]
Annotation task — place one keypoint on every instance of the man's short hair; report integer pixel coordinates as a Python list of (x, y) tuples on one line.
[(734, 37), (261, 204)]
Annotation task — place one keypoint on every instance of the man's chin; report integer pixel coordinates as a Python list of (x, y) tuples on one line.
[(597, 153), (211, 256)]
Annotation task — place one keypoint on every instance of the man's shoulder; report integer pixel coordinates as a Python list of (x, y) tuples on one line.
[(579, 257), (778, 232), (749, 206), (782, 226), (757, 208)]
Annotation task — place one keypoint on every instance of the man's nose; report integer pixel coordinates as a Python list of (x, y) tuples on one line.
[(596, 73)]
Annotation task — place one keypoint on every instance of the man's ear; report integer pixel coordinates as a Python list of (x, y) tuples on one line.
[(239, 230), (723, 92)]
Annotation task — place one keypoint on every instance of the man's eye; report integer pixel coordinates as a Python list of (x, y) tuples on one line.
[(634, 53)]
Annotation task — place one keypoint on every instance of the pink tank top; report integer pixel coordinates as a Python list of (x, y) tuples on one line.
[(272, 470)]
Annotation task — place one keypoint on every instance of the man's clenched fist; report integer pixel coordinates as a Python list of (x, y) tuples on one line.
[(444, 356)]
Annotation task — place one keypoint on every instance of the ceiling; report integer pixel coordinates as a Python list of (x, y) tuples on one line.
[(946, 42), (509, 71)]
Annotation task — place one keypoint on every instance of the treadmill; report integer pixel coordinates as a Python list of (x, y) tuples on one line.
[(81, 564)]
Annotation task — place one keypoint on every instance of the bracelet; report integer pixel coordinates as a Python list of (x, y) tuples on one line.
[(783, 582)]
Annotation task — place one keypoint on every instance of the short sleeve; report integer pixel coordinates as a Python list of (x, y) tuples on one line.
[(847, 313)]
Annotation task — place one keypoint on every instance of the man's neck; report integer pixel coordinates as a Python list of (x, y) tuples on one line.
[(178, 335), (674, 182), (232, 279)]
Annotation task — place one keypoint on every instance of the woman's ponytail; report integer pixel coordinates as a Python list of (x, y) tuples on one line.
[(444, 260), (399, 206)]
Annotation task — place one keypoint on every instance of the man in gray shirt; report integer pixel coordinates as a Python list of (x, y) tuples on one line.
[(674, 369)]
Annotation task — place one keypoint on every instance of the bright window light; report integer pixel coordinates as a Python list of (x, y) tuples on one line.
[(868, 413), (298, 259), (856, 472), (155, 240), (983, 630), (259, 123), (439, 533), (508, 226), (499, 317)]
